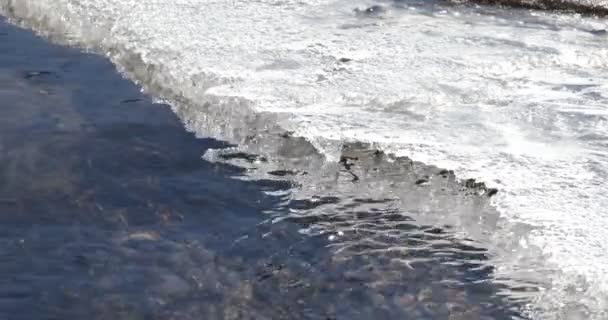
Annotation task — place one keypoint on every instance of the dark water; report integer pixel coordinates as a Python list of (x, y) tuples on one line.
[(108, 211)]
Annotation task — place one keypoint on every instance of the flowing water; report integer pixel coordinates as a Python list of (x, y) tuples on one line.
[(309, 89)]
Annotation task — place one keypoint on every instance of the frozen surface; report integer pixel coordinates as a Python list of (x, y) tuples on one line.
[(517, 99)]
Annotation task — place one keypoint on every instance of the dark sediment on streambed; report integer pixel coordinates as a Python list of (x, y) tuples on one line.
[(593, 8), (107, 211), (587, 8)]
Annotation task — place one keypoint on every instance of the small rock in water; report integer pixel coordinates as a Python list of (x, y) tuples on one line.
[(422, 181), (491, 192), (133, 100), (371, 11), (36, 74), (282, 173), (598, 32), (445, 173), (425, 294)]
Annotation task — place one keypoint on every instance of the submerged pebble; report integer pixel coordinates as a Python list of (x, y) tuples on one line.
[(373, 10)]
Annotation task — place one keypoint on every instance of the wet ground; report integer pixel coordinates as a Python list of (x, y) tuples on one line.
[(109, 211)]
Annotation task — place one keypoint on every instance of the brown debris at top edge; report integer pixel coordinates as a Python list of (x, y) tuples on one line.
[(549, 5)]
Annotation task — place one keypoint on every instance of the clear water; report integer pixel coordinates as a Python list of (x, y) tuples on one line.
[(514, 98)]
